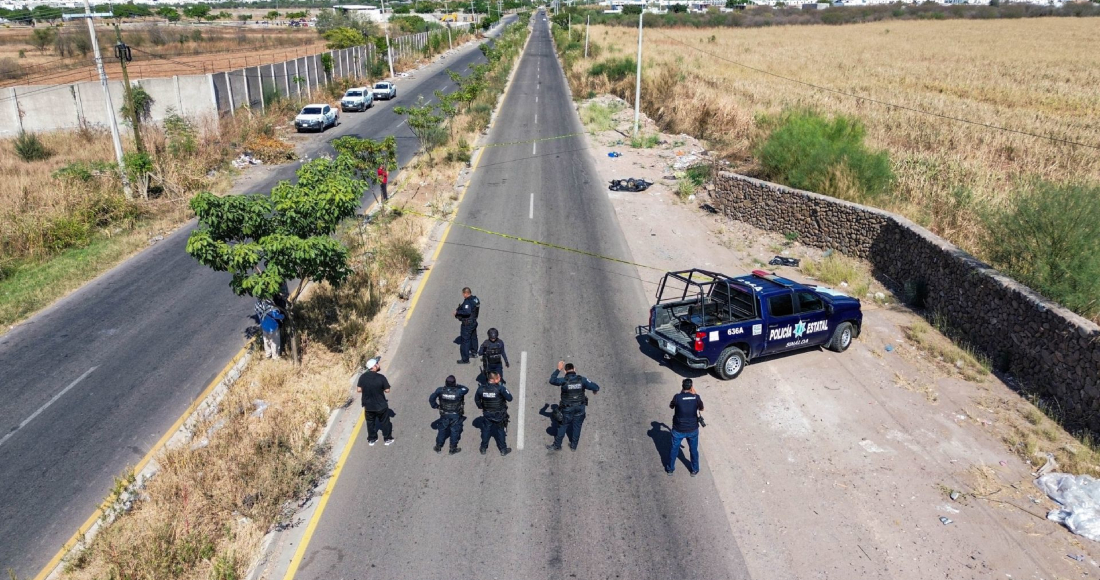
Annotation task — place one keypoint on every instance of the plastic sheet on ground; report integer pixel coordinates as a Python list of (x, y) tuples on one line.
[(1079, 496)]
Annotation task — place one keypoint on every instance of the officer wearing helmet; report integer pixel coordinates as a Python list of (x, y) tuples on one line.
[(466, 313), (450, 400), (570, 414), (492, 354), (492, 398)]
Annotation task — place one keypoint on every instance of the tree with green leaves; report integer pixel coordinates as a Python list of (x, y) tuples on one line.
[(244, 17), (168, 13), (424, 123), (267, 242), (272, 15), (341, 38), (197, 11), (42, 37)]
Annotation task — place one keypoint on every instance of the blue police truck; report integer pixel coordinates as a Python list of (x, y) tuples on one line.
[(713, 321)]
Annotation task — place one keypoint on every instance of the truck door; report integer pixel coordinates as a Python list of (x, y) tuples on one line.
[(813, 317), (782, 319)]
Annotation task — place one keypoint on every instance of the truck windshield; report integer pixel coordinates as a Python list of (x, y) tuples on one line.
[(311, 111), (382, 86), (354, 94)]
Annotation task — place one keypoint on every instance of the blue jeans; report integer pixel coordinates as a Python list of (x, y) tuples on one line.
[(693, 446)]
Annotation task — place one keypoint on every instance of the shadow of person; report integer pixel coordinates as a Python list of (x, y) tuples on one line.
[(661, 435), (649, 349), (547, 411)]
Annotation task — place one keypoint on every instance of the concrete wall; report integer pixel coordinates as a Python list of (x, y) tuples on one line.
[(54, 107), (1050, 349)]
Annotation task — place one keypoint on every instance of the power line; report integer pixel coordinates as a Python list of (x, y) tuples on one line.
[(883, 103)]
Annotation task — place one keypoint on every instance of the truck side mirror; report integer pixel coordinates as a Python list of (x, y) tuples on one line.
[(829, 309)]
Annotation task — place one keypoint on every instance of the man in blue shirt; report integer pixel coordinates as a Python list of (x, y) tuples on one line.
[(450, 400), (571, 408), (685, 425), (270, 320)]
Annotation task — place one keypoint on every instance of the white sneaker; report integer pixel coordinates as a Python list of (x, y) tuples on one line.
[(389, 442), (372, 442)]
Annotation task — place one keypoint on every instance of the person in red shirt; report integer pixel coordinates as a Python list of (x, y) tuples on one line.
[(384, 178)]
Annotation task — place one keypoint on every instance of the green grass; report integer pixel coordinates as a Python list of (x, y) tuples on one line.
[(644, 141), (30, 286), (597, 117), (836, 268)]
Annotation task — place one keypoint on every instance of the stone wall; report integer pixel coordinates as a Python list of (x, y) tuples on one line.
[(1050, 349)]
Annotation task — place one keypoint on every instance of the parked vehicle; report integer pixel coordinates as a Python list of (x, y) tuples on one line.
[(316, 117), (357, 99), (712, 321), (385, 90)]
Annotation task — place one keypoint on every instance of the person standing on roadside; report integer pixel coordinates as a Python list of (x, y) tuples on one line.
[(376, 409), (467, 313), (685, 425), (270, 321), (383, 180), (571, 413)]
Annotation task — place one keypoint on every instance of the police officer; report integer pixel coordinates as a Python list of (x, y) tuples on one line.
[(492, 353), (467, 313), (449, 399), (687, 405), (493, 398), (570, 413)]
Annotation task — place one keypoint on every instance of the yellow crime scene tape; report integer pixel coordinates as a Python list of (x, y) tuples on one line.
[(530, 241)]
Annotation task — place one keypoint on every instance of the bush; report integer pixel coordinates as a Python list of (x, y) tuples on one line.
[(806, 150), (616, 69), (1046, 238), (30, 148)]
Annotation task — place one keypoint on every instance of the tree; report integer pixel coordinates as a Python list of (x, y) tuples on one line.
[(678, 8), (268, 242), (244, 17), (424, 123), (42, 37), (340, 38), (197, 11), (272, 15), (326, 64), (328, 20), (633, 9), (168, 13)]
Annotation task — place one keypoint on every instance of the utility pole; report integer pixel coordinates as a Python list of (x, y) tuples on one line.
[(389, 51), (586, 27), (107, 99), (449, 45), (638, 79), (123, 53)]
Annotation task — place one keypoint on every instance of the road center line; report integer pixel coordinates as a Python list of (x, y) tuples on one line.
[(534, 147), (531, 212), (536, 118), (48, 403), (522, 392)]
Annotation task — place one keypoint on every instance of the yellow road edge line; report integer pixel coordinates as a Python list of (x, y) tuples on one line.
[(71, 542), (439, 247), (316, 519)]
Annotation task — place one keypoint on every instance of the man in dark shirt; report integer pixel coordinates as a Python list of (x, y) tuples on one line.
[(374, 386), (685, 425)]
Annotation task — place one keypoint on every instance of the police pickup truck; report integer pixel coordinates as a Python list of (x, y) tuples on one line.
[(710, 320)]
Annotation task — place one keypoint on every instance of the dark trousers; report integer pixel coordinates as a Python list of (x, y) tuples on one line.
[(494, 428), (378, 420), (385, 195), (572, 419), (449, 425), (468, 344)]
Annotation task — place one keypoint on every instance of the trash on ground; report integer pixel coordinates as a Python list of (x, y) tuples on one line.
[(1049, 467), (1079, 498), (629, 184), (245, 160), (946, 520), (260, 406), (614, 154), (889, 348), (708, 208), (954, 496), (781, 261), (1078, 557)]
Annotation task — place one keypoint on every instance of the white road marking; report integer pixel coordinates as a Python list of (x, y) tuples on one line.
[(531, 212), (534, 147), (522, 396), (536, 118), (536, 98), (48, 403)]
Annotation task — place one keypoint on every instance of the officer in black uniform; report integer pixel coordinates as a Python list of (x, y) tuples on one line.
[(493, 355), (467, 313), (570, 414), (449, 399), (493, 398)]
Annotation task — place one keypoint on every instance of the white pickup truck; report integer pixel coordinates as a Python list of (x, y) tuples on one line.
[(385, 90), (357, 99), (317, 117)]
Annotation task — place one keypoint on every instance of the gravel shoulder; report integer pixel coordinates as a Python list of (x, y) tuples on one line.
[(842, 465)]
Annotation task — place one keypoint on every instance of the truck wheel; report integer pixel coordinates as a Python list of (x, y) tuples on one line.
[(730, 364), (842, 337)]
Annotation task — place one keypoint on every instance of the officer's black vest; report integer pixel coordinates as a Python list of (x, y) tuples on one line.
[(451, 400), (493, 352), (492, 399), (572, 392)]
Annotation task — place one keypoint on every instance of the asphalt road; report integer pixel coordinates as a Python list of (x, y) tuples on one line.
[(605, 511), (91, 383)]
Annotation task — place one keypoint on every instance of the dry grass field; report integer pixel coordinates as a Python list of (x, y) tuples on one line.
[(1035, 75)]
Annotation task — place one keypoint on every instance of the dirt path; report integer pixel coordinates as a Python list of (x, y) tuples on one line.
[(841, 465)]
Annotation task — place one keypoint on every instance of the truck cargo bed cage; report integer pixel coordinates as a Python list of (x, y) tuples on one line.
[(716, 294)]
